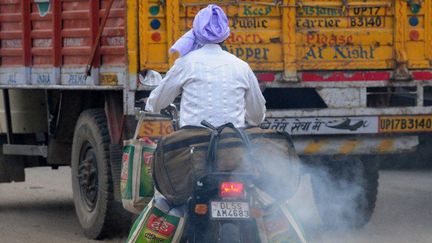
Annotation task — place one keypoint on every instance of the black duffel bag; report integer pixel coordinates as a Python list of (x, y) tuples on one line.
[(181, 158)]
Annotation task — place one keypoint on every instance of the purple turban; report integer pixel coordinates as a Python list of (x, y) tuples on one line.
[(210, 26)]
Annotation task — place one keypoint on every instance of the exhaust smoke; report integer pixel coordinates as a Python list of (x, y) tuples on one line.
[(332, 195)]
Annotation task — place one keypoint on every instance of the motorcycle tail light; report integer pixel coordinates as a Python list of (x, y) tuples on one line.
[(201, 209), (232, 189)]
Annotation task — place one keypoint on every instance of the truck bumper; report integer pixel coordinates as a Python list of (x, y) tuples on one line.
[(355, 145)]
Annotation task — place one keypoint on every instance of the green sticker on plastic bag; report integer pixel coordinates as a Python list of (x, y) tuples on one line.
[(146, 181), (157, 227), (126, 172)]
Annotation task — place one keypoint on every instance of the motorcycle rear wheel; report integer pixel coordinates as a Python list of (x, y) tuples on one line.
[(229, 233)]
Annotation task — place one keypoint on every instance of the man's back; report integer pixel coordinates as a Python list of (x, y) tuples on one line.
[(216, 86)]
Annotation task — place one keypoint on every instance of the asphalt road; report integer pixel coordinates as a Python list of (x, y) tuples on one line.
[(41, 210)]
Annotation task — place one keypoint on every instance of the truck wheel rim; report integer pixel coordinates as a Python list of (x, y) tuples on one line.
[(88, 177)]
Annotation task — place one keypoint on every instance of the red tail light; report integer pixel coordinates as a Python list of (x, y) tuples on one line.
[(231, 189)]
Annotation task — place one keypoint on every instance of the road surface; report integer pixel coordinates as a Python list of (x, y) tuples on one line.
[(41, 210)]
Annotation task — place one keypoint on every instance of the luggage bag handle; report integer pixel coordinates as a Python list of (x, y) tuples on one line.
[(219, 130), (214, 140)]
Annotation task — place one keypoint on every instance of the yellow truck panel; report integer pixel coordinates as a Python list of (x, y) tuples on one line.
[(299, 35)]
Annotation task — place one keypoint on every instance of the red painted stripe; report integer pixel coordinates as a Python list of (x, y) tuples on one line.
[(75, 14), (94, 13), (10, 17), (26, 29), (341, 76), (11, 52), (10, 35), (75, 33), (57, 38), (42, 51), (76, 51), (345, 76), (41, 34), (35, 16), (114, 50), (266, 77), (422, 75)]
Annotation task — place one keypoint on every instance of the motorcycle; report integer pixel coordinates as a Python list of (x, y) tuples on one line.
[(228, 206), (220, 208)]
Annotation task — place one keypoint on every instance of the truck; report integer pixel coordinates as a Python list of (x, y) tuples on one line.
[(349, 80)]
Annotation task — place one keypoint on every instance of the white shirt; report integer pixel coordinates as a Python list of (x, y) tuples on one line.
[(216, 86)]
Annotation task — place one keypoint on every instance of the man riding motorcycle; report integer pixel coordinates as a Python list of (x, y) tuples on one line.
[(216, 86)]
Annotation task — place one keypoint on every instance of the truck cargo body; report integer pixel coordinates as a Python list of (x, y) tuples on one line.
[(347, 78), (330, 67), (46, 43), (344, 58)]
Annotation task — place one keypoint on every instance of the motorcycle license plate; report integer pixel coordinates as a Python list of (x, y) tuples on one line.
[(229, 210)]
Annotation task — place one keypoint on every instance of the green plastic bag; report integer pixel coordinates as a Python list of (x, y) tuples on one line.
[(157, 223), (136, 185), (278, 224), (281, 225)]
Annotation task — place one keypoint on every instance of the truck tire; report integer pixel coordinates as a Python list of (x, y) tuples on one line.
[(345, 192), (99, 214)]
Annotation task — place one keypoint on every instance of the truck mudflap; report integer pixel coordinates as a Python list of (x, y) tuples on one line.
[(355, 145)]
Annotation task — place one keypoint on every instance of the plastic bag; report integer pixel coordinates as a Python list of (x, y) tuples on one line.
[(136, 183), (277, 223), (158, 223)]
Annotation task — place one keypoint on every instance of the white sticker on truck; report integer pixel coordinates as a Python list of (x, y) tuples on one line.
[(323, 125)]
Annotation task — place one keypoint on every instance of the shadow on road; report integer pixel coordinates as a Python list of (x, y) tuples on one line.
[(66, 208)]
